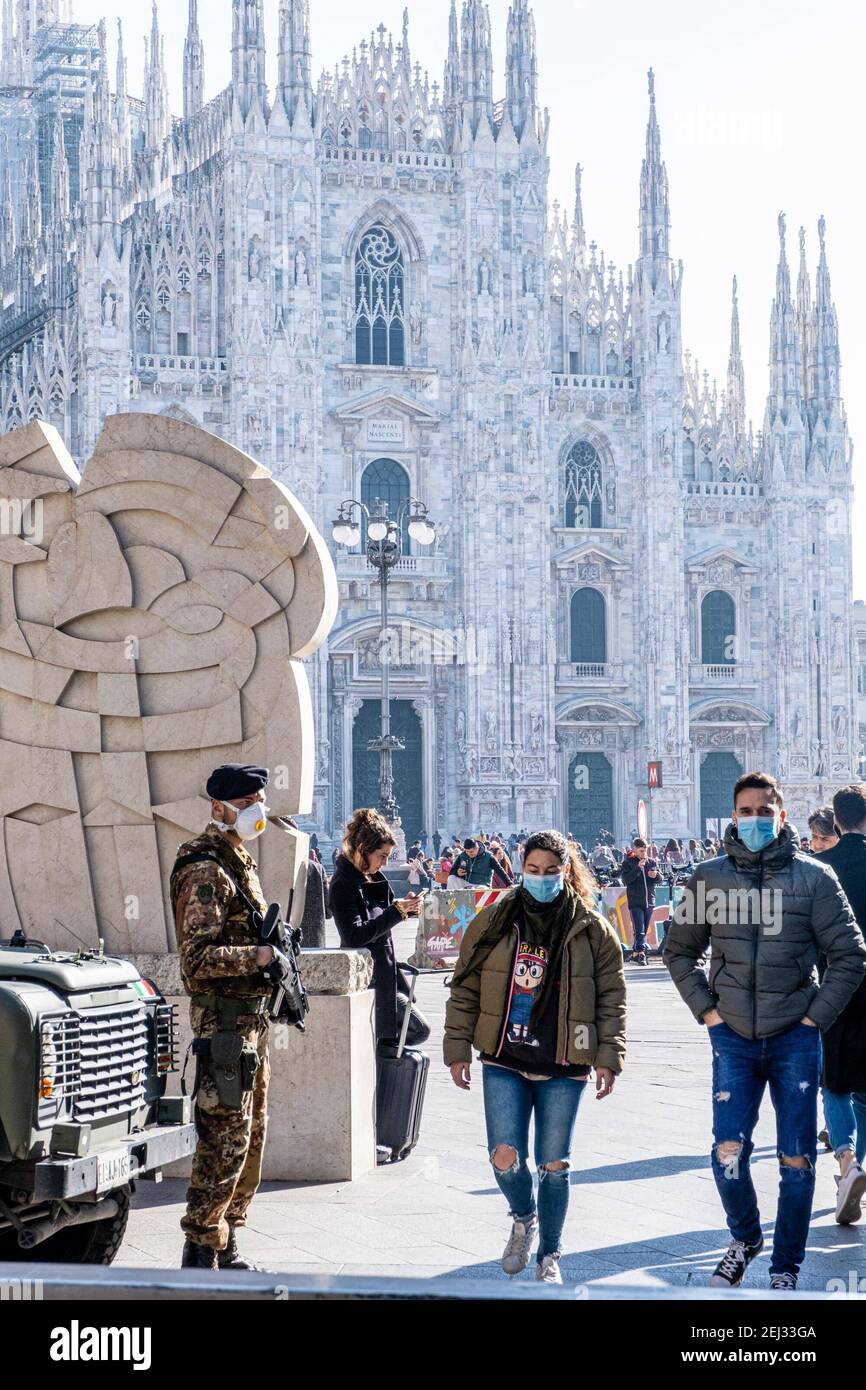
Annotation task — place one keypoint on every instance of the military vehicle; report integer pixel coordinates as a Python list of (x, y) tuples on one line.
[(86, 1045)]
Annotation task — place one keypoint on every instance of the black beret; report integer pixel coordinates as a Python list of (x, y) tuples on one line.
[(234, 780)]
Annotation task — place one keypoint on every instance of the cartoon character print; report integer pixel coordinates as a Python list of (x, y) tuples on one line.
[(528, 974)]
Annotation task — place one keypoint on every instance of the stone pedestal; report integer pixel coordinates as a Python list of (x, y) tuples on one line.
[(322, 1110), (397, 856)]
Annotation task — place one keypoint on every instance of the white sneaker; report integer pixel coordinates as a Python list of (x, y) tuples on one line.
[(848, 1193), (547, 1270), (516, 1255)]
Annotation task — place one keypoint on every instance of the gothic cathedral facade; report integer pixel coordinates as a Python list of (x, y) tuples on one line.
[(362, 282)]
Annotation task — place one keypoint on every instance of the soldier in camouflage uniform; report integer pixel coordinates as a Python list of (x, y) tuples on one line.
[(214, 886)]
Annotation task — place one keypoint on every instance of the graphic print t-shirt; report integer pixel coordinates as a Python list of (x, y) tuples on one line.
[(525, 1048)]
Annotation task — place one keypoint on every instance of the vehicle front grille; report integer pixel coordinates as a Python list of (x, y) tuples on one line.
[(113, 1061)]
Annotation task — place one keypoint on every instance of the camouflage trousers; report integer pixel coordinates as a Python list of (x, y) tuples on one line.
[(227, 1166)]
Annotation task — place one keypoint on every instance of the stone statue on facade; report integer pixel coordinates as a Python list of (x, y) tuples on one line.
[(460, 730), (415, 321), (492, 729), (109, 307)]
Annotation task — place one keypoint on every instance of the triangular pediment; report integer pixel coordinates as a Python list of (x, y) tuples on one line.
[(385, 402), (589, 552), (720, 555)]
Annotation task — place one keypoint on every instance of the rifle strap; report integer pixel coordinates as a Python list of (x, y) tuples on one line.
[(203, 855)]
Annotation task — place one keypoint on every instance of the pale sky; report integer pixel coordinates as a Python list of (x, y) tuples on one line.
[(761, 107)]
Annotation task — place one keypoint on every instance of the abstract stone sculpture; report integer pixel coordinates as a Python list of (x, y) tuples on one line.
[(153, 618)]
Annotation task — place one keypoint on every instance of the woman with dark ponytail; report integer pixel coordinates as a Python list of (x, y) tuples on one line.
[(539, 991), (365, 910)]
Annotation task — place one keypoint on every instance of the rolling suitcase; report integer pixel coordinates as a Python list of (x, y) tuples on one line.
[(401, 1082)]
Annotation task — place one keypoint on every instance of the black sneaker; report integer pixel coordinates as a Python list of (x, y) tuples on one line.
[(731, 1269), (783, 1283)]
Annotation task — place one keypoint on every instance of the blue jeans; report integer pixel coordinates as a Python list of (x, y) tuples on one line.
[(641, 918), (790, 1063), (509, 1100), (846, 1121)]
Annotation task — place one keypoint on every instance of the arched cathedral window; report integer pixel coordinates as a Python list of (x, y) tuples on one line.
[(583, 486), (379, 299), (385, 480), (588, 627), (718, 628), (688, 458)]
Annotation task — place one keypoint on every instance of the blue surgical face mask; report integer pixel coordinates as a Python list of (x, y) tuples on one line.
[(756, 832), (544, 887)]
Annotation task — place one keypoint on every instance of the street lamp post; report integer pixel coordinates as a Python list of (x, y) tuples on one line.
[(384, 547)]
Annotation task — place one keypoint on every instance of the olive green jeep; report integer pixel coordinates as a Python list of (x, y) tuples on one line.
[(85, 1048)]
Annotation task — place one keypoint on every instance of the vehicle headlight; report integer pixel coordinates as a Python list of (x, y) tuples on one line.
[(59, 1072), (165, 1034)]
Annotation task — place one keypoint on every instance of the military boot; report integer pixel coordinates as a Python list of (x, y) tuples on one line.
[(197, 1256), (231, 1257)]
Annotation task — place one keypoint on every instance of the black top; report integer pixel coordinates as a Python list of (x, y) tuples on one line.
[(640, 888), (523, 1047), (364, 912)]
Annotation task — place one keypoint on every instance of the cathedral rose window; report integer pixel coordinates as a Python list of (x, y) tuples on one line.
[(583, 486), (379, 300)]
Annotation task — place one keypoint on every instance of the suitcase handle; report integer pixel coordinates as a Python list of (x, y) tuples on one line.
[(413, 973)]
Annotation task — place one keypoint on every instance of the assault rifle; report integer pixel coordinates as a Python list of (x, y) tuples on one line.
[(289, 1002)]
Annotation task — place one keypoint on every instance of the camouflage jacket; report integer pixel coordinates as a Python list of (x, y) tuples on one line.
[(216, 942)]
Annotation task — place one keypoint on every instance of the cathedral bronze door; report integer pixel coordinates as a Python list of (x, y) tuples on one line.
[(719, 772), (590, 797), (408, 765)]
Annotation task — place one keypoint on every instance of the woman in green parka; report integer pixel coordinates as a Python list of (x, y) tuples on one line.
[(539, 991)]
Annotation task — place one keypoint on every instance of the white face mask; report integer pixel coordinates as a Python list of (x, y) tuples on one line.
[(251, 822)]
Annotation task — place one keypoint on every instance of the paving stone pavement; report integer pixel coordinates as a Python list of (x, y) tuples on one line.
[(644, 1209)]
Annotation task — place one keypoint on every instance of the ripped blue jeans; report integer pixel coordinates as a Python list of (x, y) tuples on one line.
[(509, 1101), (790, 1064)]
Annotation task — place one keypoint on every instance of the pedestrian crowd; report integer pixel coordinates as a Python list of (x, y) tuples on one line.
[(765, 946)]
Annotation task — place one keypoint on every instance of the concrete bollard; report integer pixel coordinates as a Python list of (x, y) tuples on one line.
[(322, 1097)]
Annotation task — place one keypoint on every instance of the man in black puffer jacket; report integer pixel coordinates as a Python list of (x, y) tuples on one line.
[(640, 875), (768, 913)]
